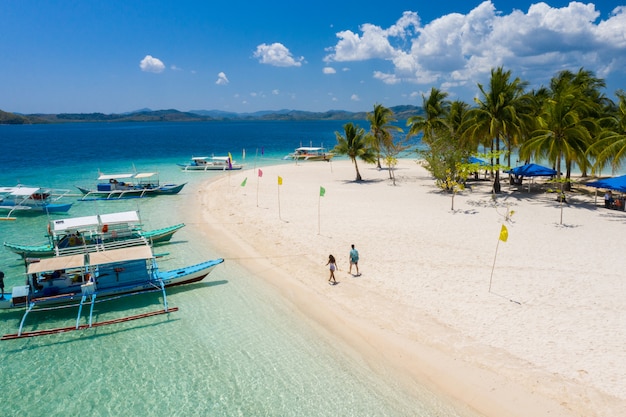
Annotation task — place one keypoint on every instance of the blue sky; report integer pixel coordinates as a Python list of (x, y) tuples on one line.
[(117, 56)]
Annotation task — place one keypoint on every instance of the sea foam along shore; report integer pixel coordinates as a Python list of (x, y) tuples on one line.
[(530, 326)]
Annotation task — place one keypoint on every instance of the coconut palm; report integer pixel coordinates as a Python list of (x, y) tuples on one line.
[(610, 148), (502, 115), (436, 109), (356, 145), (566, 125), (381, 128)]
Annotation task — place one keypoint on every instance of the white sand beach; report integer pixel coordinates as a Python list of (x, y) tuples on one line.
[(549, 339)]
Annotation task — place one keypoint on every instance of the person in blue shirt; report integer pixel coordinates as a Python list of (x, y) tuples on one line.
[(354, 260)]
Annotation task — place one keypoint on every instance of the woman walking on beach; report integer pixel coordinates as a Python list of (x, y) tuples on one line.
[(333, 266)]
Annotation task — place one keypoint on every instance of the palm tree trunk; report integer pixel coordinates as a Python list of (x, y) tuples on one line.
[(496, 181), (358, 174)]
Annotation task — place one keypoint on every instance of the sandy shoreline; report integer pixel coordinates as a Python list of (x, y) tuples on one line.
[(547, 340)]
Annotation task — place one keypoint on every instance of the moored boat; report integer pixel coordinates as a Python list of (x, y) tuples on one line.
[(118, 186), (210, 163), (32, 199), (310, 153), (92, 233), (84, 279)]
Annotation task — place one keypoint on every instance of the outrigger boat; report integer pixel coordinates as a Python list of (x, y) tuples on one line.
[(210, 163), (85, 279), (93, 233), (117, 186), (32, 199), (310, 153)]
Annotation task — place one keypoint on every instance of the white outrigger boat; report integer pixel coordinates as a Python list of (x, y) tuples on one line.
[(88, 278), (310, 153), (118, 186), (210, 163), (94, 233), (32, 199)]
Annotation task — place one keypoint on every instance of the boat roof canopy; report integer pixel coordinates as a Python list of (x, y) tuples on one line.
[(19, 191), (57, 263), (86, 222), (121, 217), (106, 177), (119, 255), (310, 148), (96, 258), (145, 174), (74, 223)]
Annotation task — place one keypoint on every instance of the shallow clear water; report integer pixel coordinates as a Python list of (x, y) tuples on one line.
[(233, 348)]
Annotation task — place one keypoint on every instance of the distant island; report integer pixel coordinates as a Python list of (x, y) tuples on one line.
[(172, 115)]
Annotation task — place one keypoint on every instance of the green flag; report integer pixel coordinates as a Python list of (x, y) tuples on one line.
[(243, 184), (322, 191)]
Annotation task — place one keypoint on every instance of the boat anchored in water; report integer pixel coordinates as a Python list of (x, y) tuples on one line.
[(93, 233), (310, 153), (32, 199), (85, 279), (210, 163), (118, 186)]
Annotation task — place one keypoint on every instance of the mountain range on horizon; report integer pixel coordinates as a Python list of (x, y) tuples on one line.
[(401, 112)]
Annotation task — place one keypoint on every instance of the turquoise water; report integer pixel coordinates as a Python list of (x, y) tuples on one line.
[(232, 349)]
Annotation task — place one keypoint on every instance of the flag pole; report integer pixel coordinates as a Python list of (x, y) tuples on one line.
[(258, 179), (319, 203), (494, 264), (504, 235), (280, 181)]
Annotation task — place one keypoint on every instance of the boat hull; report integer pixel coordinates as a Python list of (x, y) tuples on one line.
[(72, 295), (168, 189), (156, 236), (208, 167)]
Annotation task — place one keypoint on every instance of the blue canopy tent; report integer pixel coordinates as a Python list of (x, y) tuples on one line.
[(613, 183), (474, 160), (530, 170)]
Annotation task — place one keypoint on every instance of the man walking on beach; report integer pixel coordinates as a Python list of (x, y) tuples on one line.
[(354, 260)]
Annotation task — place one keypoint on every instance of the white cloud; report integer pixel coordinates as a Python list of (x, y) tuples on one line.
[(277, 55), (276, 92), (354, 97), (461, 49), (222, 79), (386, 78), (329, 70), (151, 64)]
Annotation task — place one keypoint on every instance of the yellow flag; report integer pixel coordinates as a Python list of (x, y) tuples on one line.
[(504, 233), (280, 180)]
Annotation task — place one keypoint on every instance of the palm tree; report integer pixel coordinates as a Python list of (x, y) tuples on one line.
[(381, 127), (356, 145), (502, 114), (611, 145), (566, 125), (436, 109)]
